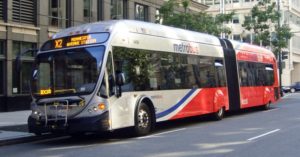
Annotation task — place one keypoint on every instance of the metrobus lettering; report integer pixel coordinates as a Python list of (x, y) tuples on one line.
[(185, 48)]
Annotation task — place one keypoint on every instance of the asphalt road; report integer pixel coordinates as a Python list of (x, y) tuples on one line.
[(250, 133)]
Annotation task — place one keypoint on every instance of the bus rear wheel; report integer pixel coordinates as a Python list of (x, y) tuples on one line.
[(267, 106), (219, 114), (143, 120)]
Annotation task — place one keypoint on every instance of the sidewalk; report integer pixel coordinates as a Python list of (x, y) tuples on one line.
[(13, 126)]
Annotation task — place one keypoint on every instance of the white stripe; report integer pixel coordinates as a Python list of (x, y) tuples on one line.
[(265, 134), (162, 133)]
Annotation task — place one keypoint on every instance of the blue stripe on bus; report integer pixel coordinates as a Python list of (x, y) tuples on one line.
[(173, 108)]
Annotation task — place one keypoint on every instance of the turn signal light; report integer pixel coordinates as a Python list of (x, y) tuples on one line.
[(101, 106)]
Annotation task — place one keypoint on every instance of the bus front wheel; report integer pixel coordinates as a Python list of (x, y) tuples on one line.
[(143, 120)]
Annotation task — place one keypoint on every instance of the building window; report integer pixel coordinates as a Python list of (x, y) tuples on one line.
[(118, 9), (247, 38), (2, 49), (21, 80), (56, 17), (235, 19), (20, 47), (237, 37), (1, 77), (24, 11), (158, 19), (141, 12), (209, 2), (217, 1), (89, 10), (2, 44), (235, 1)]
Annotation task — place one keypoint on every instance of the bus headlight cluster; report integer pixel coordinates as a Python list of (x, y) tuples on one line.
[(36, 114), (99, 107)]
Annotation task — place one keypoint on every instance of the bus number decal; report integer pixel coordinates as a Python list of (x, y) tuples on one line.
[(58, 43)]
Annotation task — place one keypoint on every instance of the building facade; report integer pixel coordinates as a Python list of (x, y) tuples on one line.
[(290, 10), (27, 24)]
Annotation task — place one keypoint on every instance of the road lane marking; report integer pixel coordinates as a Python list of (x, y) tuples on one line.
[(162, 133), (265, 134)]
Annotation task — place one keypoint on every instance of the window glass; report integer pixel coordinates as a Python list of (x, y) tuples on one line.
[(220, 73), (118, 9), (70, 72), (237, 37), (20, 47), (141, 12), (217, 1), (256, 74), (149, 70), (235, 19), (21, 81), (1, 77), (1, 47), (57, 17), (89, 10)]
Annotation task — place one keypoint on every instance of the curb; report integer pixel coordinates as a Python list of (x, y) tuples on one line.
[(25, 139), (21, 138)]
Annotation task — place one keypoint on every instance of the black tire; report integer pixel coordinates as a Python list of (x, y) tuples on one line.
[(143, 120), (219, 114), (267, 106)]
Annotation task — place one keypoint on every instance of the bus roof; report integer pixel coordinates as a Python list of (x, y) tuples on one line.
[(142, 28), (239, 46)]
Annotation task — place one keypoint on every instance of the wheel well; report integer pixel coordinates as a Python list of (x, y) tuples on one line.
[(149, 103)]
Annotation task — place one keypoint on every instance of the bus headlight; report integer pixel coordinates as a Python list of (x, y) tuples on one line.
[(99, 107)]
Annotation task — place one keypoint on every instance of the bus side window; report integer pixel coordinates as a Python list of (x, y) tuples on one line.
[(220, 73)]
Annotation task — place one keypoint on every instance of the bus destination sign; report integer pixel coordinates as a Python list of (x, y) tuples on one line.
[(78, 40), (74, 41)]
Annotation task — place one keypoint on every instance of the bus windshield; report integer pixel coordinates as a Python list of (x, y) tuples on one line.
[(67, 72)]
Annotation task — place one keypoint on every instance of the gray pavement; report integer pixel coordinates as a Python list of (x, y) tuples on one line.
[(272, 133), (13, 126), (14, 118)]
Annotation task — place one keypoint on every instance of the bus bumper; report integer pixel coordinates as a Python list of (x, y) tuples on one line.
[(75, 125)]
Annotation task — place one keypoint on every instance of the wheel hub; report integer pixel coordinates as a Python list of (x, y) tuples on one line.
[(143, 119)]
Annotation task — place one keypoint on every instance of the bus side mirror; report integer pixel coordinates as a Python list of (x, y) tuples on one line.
[(120, 80)]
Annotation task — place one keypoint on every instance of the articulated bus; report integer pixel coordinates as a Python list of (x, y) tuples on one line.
[(117, 74)]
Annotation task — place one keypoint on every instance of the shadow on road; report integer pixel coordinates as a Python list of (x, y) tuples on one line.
[(126, 134)]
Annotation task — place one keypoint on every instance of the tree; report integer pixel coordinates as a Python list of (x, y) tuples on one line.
[(200, 22), (264, 20)]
